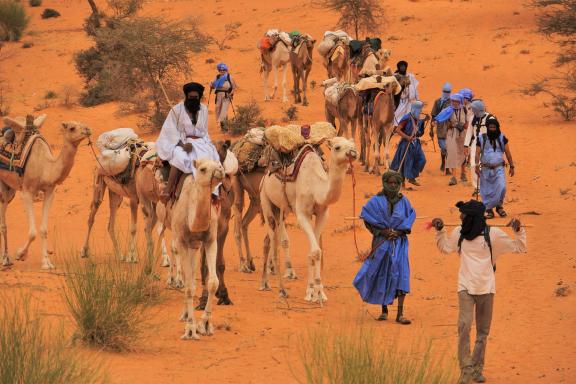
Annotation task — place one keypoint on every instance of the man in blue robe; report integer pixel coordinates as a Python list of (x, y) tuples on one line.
[(409, 159), (385, 274)]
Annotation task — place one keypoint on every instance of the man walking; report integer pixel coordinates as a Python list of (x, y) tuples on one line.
[(224, 87), (479, 247), (440, 104), (474, 131)]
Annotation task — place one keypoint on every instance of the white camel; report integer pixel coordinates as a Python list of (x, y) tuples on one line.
[(273, 60), (309, 195)]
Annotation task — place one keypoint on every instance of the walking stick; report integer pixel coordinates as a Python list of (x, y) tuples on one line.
[(232, 105), (414, 131), (209, 97)]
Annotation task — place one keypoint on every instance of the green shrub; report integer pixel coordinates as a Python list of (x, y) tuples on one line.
[(13, 20), (35, 3), (50, 95), (247, 116), (107, 301), (353, 356), (290, 114), (32, 351), (49, 13)]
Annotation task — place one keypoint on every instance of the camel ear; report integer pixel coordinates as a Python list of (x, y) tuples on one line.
[(329, 143), (40, 120), (65, 125)]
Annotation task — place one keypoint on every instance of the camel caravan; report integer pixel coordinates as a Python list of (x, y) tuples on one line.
[(192, 187)]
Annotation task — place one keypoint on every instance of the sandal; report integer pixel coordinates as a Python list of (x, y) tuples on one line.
[(489, 214), (453, 181), (463, 177), (383, 316), (402, 320), (414, 182), (501, 212)]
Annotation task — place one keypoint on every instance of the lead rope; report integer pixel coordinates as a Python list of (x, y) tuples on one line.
[(354, 208)]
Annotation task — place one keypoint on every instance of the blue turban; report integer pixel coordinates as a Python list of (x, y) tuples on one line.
[(466, 93), (416, 109), (222, 67), (446, 90), (478, 108)]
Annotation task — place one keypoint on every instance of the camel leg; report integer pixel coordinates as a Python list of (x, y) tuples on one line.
[(290, 273), (284, 71), (353, 122), (28, 200), (203, 275), (238, 229), (275, 70), (171, 281), (296, 78), (205, 326), (6, 195), (48, 199), (115, 201), (266, 79), (315, 290), (387, 137), (270, 222), (377, 132), (305, 86), (363, 140), (150, 220), (132, 253), (97, 197), (368, 141), (179, 283), (248, 217), (222, 292), (164, 249), (189, 262)]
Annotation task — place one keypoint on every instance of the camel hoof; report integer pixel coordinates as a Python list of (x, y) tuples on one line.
[(309, 293), (165, 263), (21, 254), (264, 287), (205, 327), (224, 300), (179, 284), (184, 316), (290, 274), (47, 265), (251, 266), (189, 334), (305, 103), (84, 252), (202, 302), (244, 268), (285, 100), (283, 294), (6, 262)]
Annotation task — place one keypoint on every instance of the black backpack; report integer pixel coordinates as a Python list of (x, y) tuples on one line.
[(486, 239)]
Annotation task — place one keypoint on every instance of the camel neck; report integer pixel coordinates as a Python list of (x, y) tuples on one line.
[(62, 165), (336, 176), (200, 199)]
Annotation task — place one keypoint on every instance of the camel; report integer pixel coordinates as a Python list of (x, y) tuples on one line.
[(301, 63), (347, 110), (43, 173), (338, 62), (378, 128), (147, 187), (194, 222), (272, 60), (374, 62), (309, 195)]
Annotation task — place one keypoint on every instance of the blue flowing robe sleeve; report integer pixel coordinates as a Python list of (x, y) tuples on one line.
[(445, 114), (387, 270)]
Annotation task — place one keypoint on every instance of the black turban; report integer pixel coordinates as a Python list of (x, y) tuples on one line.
[(492, 121), (401, 62), (493, 136), (187, 88), (474, 222)]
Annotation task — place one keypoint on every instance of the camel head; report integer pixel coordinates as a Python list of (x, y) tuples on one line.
[(74, 132), (403, 80), (343, 151), (222, 147), (208, 172)]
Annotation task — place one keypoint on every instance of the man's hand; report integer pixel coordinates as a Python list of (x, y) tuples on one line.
[(515, 224), (438, 223), (187, 147), (427, 117), (511, 172)]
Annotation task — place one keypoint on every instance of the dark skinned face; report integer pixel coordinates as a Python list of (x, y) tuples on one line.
[(492, 128), (193, 94), (392, 183)]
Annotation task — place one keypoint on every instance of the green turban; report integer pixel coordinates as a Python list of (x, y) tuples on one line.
[(392, 193)]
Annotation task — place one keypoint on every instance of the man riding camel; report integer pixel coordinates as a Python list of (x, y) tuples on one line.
[(184, 137), (224, 87)]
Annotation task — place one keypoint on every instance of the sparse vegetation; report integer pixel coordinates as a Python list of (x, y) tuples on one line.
[(356, 356), (132, 57), (290, 113), (27, 45), (366, 16), (558, 22), (107, 301), (50, 13), (35, 3), (4, 106), (50, 95), (405, 19), (247, 116), (230, 33), (125, 8), (524, 52), (33, 351), (313, 84), (69, 95), (13, 20)]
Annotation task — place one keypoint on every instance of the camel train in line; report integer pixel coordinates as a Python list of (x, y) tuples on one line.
[(198, 227)]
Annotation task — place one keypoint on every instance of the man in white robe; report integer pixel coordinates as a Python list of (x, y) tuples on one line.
[(184, 137), (476, 129), (408, 95)]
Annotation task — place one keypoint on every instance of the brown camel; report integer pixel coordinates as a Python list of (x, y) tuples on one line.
[(347, 109), (272, 60), (379, 128), (301, 62), (153, 209), (338, 62), (43, 173), (194, 222), (308, 196)]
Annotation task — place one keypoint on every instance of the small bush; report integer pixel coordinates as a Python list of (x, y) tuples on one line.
[(27, 45), (32, 351), (50, 95), (69, 95), (107, 301), (49, 13), (358, 357), (13, 20), (35, 3), (247, 116), (313, 84), (4, 106), (290, 114), (525, 52)]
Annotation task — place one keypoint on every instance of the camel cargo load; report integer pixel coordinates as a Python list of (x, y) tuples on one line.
[(115, 151), (248, 150), (331, 38), (288, 138), (378, 82)]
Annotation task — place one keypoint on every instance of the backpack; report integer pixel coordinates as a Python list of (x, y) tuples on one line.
[(485, 140), (486, 239)]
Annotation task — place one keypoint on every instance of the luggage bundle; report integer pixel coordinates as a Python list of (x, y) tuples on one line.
[(378, 82), (331, 38), (116, 148), (286, 139), (271, 37), (248, 150)]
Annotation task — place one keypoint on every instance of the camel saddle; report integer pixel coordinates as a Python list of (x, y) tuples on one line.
[(288, 172), (15, 146)]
